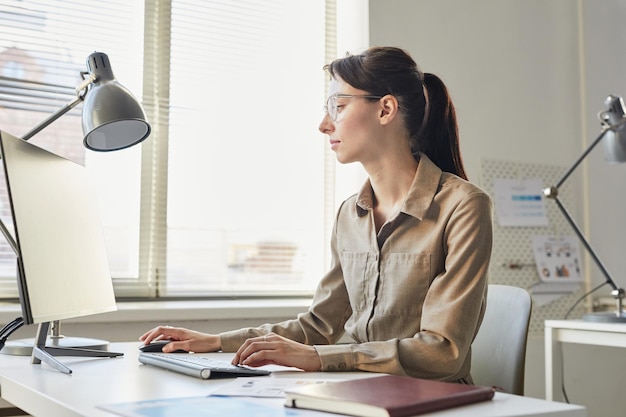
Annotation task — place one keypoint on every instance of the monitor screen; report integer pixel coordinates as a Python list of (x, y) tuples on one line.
[(64, 270)]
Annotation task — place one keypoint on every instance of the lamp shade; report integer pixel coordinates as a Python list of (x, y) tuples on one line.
[(615, 138), (112, 117)]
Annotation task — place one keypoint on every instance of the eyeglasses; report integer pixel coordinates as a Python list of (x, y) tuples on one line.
[(331, 107)]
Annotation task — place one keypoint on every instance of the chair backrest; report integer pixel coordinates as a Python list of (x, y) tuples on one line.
[(499, 349)]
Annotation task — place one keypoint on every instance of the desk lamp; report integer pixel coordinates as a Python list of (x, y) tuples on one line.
[(112, 119), (613, 122)]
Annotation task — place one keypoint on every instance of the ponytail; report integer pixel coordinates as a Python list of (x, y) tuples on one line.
[(439, 138)]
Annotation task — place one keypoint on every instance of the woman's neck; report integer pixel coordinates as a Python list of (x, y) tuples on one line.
[(391, 183)]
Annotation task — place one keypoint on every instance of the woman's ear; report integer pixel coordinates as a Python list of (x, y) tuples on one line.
[(388, 109)]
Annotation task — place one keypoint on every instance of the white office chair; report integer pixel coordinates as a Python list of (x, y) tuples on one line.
[(499, 349)]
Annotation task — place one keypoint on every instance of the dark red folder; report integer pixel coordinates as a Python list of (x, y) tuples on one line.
[(385, 396)]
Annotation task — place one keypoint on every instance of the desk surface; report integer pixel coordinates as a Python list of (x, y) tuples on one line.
[(43, 391), (587, 325), (579, 332)]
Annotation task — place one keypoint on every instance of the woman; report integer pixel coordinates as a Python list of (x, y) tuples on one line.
[(410, 251)]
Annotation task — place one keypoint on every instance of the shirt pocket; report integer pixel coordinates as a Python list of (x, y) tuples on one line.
[(355, 266), (404, 282)]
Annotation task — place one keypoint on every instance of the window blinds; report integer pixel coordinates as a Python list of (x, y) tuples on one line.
[(232, 194)]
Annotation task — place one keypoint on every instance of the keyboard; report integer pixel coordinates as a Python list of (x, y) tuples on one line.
[(198, 366)]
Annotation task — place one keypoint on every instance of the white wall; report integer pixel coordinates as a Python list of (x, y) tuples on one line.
[(512, 68), (528, 78)]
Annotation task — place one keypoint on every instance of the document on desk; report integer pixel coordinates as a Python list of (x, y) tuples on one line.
[(208, 406), (263, 387)]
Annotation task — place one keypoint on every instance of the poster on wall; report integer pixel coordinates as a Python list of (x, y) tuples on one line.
[(558, 266), (519, 202), (557, 259)]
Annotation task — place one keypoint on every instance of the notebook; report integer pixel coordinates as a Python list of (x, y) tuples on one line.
[(385, 396), (198, 366)]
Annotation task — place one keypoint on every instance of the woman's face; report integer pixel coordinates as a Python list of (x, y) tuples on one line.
[(353, 132)]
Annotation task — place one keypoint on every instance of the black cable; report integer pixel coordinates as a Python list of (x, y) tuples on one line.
[(8, 329), (587, 294), (563, 375)]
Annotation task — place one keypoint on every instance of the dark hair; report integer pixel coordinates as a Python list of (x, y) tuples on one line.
[(387, 70)]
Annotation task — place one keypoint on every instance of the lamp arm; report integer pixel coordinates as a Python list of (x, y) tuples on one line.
[(9, 238), (81, 92), (586, 244), (565, 176), (53, 117)]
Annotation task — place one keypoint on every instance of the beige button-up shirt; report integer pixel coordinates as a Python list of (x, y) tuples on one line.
[(411, 296)]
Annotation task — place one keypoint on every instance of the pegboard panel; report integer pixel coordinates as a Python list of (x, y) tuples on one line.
[(512, 261)]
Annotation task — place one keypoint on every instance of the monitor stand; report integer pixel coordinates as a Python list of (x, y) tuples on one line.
[(46, 354), (24, 347)]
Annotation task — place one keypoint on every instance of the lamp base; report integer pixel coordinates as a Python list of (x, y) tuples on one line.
[(606, 317), (24, 347)]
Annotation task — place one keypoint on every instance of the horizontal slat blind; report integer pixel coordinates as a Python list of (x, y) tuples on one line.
[(44, 46), (232, 193), (245, 207)]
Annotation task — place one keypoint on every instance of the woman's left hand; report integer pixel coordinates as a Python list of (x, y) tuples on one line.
[(273, 349)]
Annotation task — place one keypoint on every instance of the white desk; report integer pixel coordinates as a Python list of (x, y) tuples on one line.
[(42, 391), (575, 331)]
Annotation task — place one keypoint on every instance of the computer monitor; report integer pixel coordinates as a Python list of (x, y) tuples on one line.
[(63, 269)]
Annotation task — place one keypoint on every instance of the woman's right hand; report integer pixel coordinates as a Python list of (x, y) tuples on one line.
[(182, 339)]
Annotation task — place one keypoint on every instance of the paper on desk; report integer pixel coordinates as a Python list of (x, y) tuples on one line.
[(208, 406), (262, 387)]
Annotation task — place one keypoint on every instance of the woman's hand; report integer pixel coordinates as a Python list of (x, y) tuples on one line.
[(184, 339), (277, 350)]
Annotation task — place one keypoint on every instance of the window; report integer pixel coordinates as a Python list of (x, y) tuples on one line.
[(233, 192)]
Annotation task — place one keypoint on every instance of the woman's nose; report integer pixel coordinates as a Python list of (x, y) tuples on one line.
[(326, 126)]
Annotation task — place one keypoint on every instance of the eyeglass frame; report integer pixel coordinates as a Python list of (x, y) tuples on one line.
[(339, 95)]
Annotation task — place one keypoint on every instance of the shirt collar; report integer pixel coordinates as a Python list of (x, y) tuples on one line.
[(421, 193)]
